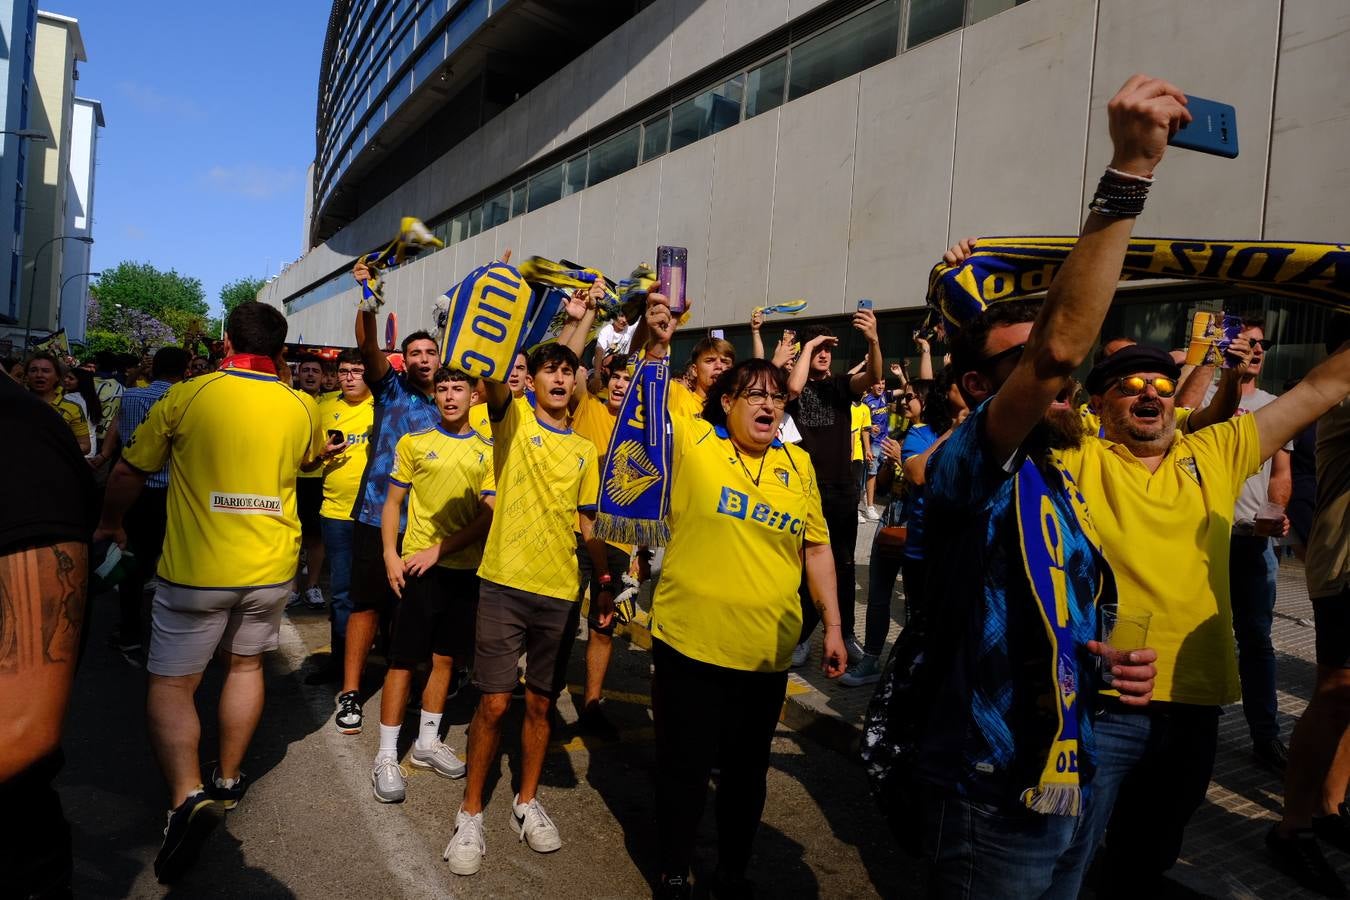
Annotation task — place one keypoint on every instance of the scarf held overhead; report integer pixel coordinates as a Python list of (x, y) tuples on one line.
[(488, 316), (635, 481), (1009, 268)]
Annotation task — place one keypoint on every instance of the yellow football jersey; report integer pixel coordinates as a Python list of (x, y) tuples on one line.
[(72, 415), (447, 474), (728, 589), (342, 473), (234, 441), (859, 419), (683, 402), (544, 477)]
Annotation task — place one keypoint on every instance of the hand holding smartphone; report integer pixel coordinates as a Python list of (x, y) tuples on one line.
[(1212, 129)]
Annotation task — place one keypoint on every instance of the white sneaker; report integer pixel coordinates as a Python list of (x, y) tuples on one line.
[(534, 826), (873, 515), (801, 653), (314, 598), (862, 520), (467, 848), (294, 600), (439, 758), (388, 781)]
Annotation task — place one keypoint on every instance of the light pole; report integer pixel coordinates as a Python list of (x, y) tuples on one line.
[(32, 287), (61, 294)]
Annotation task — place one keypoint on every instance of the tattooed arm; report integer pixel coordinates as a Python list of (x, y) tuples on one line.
[(42, 596)]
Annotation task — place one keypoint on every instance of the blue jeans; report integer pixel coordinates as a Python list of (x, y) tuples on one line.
[(979, 850), (1152, 770), (1251, 578), (337, 540), (882, 568)]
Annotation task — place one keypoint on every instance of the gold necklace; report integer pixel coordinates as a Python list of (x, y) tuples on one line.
[(754, 478)]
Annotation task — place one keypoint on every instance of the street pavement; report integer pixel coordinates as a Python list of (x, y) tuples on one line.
[(309, 826)]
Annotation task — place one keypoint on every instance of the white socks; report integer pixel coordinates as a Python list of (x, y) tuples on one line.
[(428, 729), (388, 742)]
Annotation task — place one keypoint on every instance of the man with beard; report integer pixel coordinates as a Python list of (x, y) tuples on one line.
[(403, 404), (1004, 742)]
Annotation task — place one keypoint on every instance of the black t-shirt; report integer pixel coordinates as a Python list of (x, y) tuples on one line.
[(823, 414), (49, 487)]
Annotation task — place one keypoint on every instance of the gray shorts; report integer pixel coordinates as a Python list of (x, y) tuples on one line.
[(511, 622), (187, 625)]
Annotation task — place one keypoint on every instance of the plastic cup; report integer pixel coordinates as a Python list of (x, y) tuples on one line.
[(1269, 522), (1122, 633)]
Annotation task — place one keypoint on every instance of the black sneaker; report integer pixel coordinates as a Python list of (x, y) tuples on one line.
[(228, 796), (1271, 754), (1300, 857), (188, 826), (673, 887), (1335, 828), (595, 723), (348, 717)]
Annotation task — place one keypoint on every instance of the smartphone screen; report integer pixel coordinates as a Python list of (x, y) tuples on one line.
[(671, 268)]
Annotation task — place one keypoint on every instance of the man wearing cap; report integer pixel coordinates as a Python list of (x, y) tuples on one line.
[(1163, 501)]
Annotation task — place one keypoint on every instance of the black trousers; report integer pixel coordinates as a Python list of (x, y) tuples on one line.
[(839, 503), (707, 716), (145, 524)]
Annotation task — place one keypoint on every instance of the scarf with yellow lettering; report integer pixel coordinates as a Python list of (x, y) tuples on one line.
[(1009, 268), (1042, 527), (487, 319), (635, 483), (413, 237)]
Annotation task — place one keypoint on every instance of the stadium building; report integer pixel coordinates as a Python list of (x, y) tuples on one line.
[(826, 151)]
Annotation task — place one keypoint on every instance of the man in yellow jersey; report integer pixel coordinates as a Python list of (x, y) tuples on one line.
[(709, 359), (593, 418), (350, 413), (447, 476), (546, 475), (308, 499), (234, 441), (860, 421), (329, 384), (44, 379)]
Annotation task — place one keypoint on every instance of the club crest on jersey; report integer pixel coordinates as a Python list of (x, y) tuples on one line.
[(782, 475), (737, 505)]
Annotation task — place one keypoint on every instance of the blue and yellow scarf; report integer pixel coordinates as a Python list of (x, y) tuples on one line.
[(635, 483), (1010, 268), (413, 237)]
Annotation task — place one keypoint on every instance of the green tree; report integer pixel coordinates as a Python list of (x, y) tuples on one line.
[(176, 300), (236, 292)]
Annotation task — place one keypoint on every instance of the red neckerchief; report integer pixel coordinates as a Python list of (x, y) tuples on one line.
[(250, 361)]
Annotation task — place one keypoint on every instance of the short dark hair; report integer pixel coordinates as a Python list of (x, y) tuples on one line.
[(309, 358), (416, 336), (1254, 321), (171, 362), (445, 373), (256, 328), (50, 357), (969, 346), (738, 379), (616, 363), (351, 356), (813, 332), (554, 354), (712, 345), (105, 360)]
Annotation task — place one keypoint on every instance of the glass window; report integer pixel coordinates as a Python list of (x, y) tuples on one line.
[(442, 231), (429, 17), (618, 154), (402, 50), (851, 46), (930, 18), (655, 137), (518, 200), (399, 92), (459, 228), (475, 220), (546, 187), (574, 177), (764, 87), (497, 210), (431, 57), (708, 113)]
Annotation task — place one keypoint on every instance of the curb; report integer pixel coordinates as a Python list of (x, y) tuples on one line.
[(805, 710)]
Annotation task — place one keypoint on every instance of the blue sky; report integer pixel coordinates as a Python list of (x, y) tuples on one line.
[(210, 127)]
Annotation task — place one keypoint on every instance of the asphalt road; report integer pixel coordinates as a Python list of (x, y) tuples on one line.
[(309, 826)]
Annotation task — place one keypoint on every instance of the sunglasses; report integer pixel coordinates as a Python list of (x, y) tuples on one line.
[(1133, 385), (989, 362), (1264, 344)]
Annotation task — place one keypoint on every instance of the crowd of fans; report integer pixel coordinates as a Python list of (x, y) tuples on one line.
[(455, 516)]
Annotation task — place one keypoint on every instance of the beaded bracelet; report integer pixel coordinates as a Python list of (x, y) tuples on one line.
[(1120, 195)]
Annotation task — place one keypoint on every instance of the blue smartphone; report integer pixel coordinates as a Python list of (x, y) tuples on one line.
[(864, 304), (1213, 128)]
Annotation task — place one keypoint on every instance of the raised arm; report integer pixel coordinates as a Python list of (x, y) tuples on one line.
[(1224, 404), (1143, 114), (802, 370), (367, 334), (925, 358), (756, 340), (865, 321), (1322, 388)]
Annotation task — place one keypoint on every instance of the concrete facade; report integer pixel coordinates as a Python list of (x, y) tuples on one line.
[(854, 190), (74, 287), (59, 47), (18, 29)]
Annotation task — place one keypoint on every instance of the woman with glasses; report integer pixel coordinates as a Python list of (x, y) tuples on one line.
[(745, 518)]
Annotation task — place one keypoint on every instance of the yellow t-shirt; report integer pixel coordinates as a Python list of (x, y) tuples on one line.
[(479, 420), (72, 414), (683, 402), (544, 477), (448, 474), (342, 474), (313, 473), (728, 590), (593, 421), (860, 418), (234, 441), (1166, 535)]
